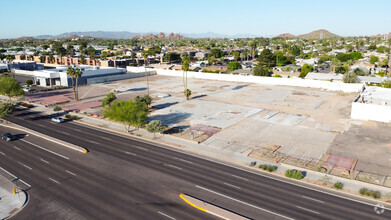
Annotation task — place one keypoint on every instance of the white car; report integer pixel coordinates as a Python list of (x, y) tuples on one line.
[(58, 120), (26, 89)]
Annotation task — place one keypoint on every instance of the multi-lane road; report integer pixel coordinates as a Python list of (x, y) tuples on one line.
[(126, 178)]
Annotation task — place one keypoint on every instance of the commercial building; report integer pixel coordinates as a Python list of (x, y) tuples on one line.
[(59, 77)]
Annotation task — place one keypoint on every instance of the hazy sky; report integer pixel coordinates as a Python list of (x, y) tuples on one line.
[(261, 17)]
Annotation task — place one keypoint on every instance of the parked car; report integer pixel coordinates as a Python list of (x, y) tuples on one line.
[(58, 120), (8, 137), (26, 89)]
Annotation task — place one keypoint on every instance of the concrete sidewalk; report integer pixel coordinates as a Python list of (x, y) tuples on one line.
[(10, 203)]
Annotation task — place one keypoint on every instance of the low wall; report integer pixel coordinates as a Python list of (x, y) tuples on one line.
[(116, 77), (332, 86), (366, 112)]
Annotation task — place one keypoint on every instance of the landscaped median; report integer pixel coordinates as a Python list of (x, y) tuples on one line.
[(46, 137), (210, 208)]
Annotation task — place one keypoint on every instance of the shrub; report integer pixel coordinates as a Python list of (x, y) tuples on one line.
[(350, 78), (367, 192), (267, 167), (386, 83), (72, 117), (57, 108), (338, 185), (363, 191), (382, 74), (295, 174), (276, 75)]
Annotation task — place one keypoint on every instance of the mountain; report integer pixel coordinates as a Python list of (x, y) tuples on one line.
[(160, 35), (319, 34), (285, 35), (383, 35), (217, 35), (95, 34)]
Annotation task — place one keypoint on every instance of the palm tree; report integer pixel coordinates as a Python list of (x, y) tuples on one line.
[(71, 73), (77, 73), (185, 68), (145, 54)]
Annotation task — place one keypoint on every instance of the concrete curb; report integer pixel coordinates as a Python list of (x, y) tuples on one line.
[(21, 208), (211, 209), (46, 137)]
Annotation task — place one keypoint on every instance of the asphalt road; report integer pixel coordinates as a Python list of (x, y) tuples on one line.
[(125, 178)]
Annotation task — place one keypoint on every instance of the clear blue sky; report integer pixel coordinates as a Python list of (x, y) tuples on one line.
[(262, 17)]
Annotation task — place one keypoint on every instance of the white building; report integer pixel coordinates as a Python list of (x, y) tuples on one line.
[(59, 77), (374, 104)]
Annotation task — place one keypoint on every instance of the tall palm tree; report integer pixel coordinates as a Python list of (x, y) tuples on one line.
[(77, 75), (145, 55), (185, 68), (71, 73)]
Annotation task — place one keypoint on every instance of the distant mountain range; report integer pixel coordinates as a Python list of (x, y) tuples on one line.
[(318, 34), (127, 35)]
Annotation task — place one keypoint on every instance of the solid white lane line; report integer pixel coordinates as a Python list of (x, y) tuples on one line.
[(237, 187), (312, 199), (44, 161), (106, 138), (161, 213), (245, 203), (183, 160), (94, 142), (24, 183), (46, 149), (174, 167), (309, 210), (126, 152), (65, 132), (142, 148), (239, 177), (54, 180), (17, 148), (14, 176), (2, 153), (70, 172), (24, 165)]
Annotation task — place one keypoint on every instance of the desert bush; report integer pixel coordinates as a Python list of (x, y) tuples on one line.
[(338, 185)]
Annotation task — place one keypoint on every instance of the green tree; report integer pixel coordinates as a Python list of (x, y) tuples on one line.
[(71, 73), (129, 113), (253, 44), (356, 56), (185, 68), (267, 58), (10, 87), (83, 59), (373, 59), (372, 47), (70, 50), (146, 99), (172, 57), (233, 65), (29, 82), (261, 71), (77, 74), (236, 55), (91, 52), (350, 77), (305, 69), (42, 59), (22, 57), (155, 126), (108, 99), (217, 53), (6, 108)]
